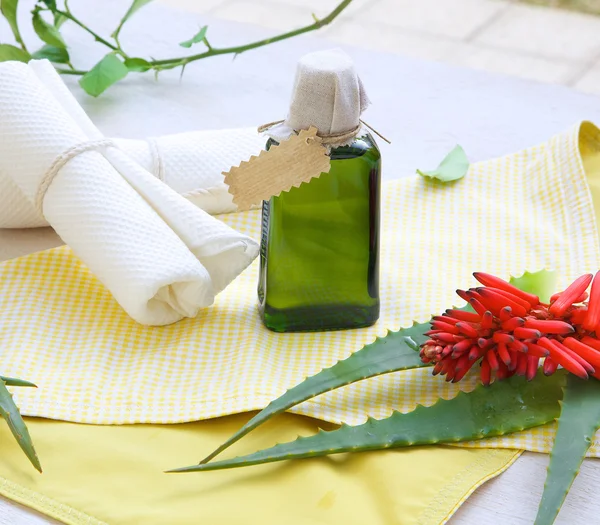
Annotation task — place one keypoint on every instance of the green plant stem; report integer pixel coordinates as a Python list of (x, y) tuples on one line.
[(213, 51), (22, 44), (69, 16), (63, 71), (115, 35)]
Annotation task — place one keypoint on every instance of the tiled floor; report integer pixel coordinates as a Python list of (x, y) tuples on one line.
[(504, 36)]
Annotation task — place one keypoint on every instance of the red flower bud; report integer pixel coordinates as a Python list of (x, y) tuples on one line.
[(510, 331)]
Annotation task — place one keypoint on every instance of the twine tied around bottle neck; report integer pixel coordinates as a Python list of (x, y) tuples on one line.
[(331, 138)]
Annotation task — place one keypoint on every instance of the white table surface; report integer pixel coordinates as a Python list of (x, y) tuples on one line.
[(425, 108)]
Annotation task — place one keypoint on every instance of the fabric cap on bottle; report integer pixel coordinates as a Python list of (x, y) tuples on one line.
[(327, 94)]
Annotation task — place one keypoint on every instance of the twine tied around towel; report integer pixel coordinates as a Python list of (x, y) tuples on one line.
[(61, 161)]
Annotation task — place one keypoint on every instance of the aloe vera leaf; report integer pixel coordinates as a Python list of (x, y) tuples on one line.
[(507, 406), (13, 381), (577, 424), (542, 283), (395, 352), (392, 353), (12, 416)]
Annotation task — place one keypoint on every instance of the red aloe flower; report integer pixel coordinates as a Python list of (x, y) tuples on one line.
[(511, 330)]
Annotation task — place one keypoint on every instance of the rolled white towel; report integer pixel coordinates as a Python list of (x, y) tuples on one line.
[(160, 256), (191, 163)]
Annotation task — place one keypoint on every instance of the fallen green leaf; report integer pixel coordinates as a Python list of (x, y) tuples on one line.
[(47, 32), (8, 52), (577, 424), (196, 39), (454, 166), (137, 64), (10, 413), (506, 406), (392, 353), (103, 75), (8, 8), (57, 55)]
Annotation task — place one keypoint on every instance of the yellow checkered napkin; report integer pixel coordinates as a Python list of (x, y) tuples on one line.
[(61, 329)]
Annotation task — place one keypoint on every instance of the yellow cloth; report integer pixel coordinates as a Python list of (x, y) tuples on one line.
[(529, 210), (113, 475), (61, 329)]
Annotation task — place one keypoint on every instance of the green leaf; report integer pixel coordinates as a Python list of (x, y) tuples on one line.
[(50, 4), (196, 39), (10, 413), (8, 52), (103, 75), (137, 64), (578, 422), (13, 381), (8, 8), (135, 6), (542, 284), (506, 406), (454, 166), (392, 353), (47, 32), (58, 55)]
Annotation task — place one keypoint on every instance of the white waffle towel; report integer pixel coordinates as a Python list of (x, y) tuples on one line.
[(160, 256), (191, 163)]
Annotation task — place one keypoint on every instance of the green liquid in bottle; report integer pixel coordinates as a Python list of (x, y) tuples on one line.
[(319, 260)]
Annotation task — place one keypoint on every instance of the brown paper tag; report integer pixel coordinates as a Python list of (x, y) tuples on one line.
[(299, 159)]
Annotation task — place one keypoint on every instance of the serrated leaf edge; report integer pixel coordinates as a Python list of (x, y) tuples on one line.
[(495, 432)]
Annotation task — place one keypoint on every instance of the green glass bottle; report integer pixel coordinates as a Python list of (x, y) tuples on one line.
[(319, 260)]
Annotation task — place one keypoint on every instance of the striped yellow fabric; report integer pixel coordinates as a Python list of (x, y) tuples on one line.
[(61, 329)]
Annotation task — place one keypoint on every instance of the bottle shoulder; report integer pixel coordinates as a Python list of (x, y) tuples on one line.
[(363, 144)]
